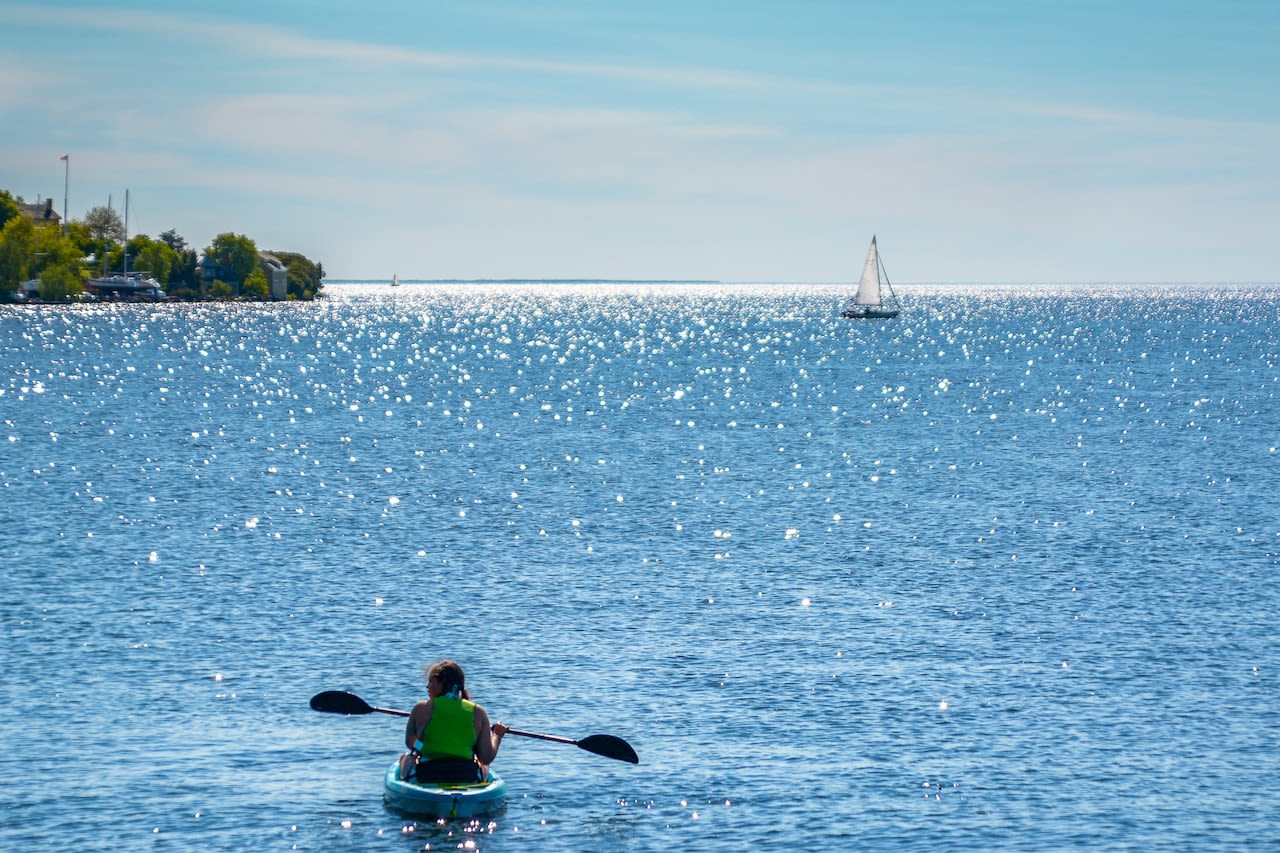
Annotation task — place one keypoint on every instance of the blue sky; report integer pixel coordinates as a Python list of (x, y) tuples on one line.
[(742, 141)]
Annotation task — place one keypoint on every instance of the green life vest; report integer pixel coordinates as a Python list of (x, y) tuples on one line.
[(451, 731)]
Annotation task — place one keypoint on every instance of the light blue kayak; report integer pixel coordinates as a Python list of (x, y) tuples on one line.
[(443, 799)]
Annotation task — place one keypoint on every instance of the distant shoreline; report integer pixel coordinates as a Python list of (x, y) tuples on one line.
[(525, 281), (910, 284)]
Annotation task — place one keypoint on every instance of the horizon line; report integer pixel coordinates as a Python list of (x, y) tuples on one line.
[(850, 283)]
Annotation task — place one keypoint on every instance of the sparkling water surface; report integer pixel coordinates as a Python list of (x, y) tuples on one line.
[(1000, 573)]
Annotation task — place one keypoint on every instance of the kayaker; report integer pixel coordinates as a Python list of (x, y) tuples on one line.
[(448, 736)]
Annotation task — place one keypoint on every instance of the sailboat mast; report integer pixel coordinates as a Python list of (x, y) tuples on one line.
[(893, 297), (125, 267), (110, 207), (66, 193)]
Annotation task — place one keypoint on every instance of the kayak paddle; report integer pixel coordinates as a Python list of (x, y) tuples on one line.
[(610, 746), (341, 702)]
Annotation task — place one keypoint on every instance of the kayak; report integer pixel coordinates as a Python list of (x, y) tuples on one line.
[(443, 799)]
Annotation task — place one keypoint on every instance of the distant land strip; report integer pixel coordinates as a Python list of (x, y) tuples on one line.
[(526, 281)]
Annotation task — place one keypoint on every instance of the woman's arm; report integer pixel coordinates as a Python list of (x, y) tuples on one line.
[(487, 740), (417, 723)]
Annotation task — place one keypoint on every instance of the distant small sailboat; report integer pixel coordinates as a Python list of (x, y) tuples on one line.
[(395, 280), (869, 303)]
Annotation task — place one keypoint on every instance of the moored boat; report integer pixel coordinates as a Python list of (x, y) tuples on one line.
[(132, 286), (443, 799), (125, 285)]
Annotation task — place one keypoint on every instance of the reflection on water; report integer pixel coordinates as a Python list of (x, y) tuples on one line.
[(1000, 572)]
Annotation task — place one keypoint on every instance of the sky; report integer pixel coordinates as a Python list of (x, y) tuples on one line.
[(993, 141)]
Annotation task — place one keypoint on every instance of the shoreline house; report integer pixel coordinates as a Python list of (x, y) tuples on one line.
[(275, 271), (277, 275), (41, 212)]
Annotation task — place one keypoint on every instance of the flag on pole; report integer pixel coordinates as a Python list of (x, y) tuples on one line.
[(64, 156)]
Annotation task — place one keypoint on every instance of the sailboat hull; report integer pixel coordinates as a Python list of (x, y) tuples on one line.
[(870, 312), (132, 286)]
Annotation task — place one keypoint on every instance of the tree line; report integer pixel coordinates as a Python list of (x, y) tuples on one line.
[(95, 245)]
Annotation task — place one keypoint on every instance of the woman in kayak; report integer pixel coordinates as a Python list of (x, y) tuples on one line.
[(448, 736)]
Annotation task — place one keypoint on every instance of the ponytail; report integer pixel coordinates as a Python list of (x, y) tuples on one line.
[(453, 682)]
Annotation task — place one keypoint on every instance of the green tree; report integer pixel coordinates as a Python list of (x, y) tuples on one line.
[(104, 229), (154, 257), (255, 285), (185, 274), (8, 207), (78, 234), (221, 290), (60, 282), (236, 253), (49, 248), (173, 240), (305, 276), (105, 225), (17, 242)]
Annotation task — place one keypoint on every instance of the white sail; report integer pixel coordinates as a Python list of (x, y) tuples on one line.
[(869, 288), (869, 303)]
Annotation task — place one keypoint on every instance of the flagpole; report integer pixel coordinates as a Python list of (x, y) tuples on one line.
[(66, 192)]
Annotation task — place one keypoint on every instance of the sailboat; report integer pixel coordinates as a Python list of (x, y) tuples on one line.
[(869, 302), (395, 280), (125, 284)]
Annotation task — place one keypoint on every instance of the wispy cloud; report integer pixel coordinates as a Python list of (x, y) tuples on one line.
[(330, 138), (249, 38), (882, 100)]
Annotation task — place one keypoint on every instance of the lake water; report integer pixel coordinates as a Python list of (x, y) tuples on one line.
[(1000, 573)]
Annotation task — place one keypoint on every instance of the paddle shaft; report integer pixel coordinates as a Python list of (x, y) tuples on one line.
[(352, 704), (555, 738), (342, 702)]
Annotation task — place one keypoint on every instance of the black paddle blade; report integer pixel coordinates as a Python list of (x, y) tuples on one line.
[(340, 702), (609, 746)]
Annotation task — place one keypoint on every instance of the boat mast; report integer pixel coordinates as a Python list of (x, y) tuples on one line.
[(893, 297), (104, 248), (66, 192)]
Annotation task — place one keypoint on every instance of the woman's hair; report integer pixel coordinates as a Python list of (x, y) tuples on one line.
[(451, 677)]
